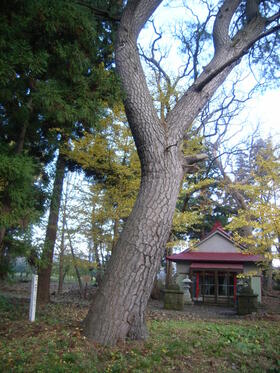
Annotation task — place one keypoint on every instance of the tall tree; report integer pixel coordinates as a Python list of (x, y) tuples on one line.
[(45, 268), (259, 218), (118, 307), (56, 76), (110, 159)]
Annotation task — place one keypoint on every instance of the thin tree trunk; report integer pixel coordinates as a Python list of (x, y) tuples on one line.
[(98, 264), (2, 235), (44, 273), (61, 259), (269, 277), (115, 233), (20, 142), (96, 256), (2, 264), (62, 248), (81, 288), (61, 274)]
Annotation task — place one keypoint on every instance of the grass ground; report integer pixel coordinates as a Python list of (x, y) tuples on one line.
[(55, 343)]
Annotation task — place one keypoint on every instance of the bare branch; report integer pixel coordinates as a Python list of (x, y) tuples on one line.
[(273, 18), (152, 60), (190, 162)]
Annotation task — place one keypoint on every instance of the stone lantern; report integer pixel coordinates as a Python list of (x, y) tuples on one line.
[(187, 295)]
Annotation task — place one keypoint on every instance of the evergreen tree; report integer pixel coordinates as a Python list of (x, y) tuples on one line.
[(56, 79)]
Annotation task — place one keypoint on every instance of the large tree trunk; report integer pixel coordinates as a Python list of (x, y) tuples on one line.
[(44, 273), (118, 308)]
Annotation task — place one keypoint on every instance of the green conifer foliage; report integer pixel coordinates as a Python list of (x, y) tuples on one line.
[(56, 79)]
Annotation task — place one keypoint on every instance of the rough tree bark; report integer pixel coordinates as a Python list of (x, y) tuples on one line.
[(117, 310), (44, 272)]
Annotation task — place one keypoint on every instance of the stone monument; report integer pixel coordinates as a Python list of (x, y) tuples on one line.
[(187, 295)]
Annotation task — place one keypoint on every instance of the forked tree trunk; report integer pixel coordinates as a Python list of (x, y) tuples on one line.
[(44, 272), (118, 309)]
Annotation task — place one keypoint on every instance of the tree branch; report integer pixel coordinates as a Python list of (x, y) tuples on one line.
[(190, 162), (273, 18), (139, 106), (101, 13), (214, 74), (221, 25)]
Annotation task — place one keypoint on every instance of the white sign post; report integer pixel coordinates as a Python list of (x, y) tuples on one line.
[(33, 298)]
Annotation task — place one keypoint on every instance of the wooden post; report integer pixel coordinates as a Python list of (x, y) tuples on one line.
[(33, 298), (191, 288), (234, 287), (197, 285), (216, 286), (228, 285)]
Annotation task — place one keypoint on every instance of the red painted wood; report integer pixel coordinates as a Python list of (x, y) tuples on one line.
[(200, 265), (196, 256)]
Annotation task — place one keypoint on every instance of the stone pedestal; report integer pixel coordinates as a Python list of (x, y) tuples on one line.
[(247, 303), (173, 299)]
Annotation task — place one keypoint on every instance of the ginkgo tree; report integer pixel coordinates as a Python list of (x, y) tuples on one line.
[(109, 158), (261, 217)]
